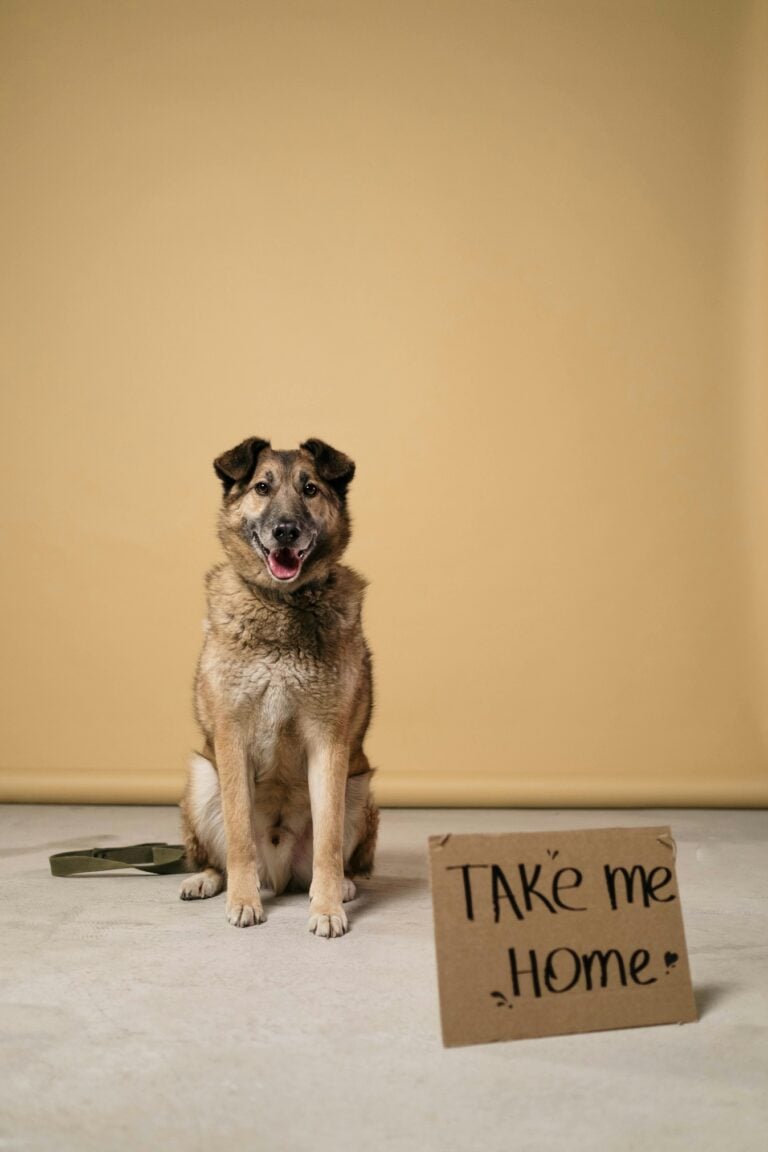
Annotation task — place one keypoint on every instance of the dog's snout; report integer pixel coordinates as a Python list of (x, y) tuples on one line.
[(286, 532)]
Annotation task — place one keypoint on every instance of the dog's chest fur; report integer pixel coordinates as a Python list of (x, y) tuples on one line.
[(270, 659)]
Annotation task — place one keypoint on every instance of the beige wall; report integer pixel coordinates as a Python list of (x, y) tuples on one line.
[(510, 256)]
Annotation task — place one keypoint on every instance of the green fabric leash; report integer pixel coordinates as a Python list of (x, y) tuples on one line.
[(157, 858)]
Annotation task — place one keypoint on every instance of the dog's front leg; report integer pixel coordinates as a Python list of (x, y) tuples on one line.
[(328, 765), (243, 900)]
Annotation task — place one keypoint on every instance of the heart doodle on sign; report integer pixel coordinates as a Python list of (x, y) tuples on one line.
[(670, 959)]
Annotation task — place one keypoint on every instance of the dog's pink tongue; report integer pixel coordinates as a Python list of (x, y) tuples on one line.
[(284, 563)]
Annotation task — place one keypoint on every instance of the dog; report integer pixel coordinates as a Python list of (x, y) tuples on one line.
[(280, 797)]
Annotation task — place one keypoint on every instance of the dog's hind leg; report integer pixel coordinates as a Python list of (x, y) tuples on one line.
[(203, 832), (348, 890), (362, 826)]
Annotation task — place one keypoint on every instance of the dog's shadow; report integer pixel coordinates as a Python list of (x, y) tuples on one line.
[(384, 891), (386, 887)]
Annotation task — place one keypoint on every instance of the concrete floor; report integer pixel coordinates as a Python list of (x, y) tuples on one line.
[(131, 1020)]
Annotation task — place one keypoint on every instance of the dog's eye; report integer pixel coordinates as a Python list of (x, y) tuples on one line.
[(310, 489), (262, 488)]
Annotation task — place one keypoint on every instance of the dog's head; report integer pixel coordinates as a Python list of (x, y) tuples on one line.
[(283, 519)]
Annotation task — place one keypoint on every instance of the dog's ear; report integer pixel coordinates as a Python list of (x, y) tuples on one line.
[(239, 464), (334, 467)]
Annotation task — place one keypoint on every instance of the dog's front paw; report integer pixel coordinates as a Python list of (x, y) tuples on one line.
[(327, 920), (244, 913)]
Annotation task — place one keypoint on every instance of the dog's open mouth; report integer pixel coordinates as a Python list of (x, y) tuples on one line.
[(285, 563)]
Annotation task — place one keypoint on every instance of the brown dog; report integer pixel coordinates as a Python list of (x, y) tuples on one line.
[(283, 694)]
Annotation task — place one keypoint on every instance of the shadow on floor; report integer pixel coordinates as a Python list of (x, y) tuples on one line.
[(710, 996), (380, 890)]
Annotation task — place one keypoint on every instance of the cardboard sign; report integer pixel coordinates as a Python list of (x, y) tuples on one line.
[(553, 932)]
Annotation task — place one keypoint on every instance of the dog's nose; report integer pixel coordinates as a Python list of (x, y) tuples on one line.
[(286, 532)]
